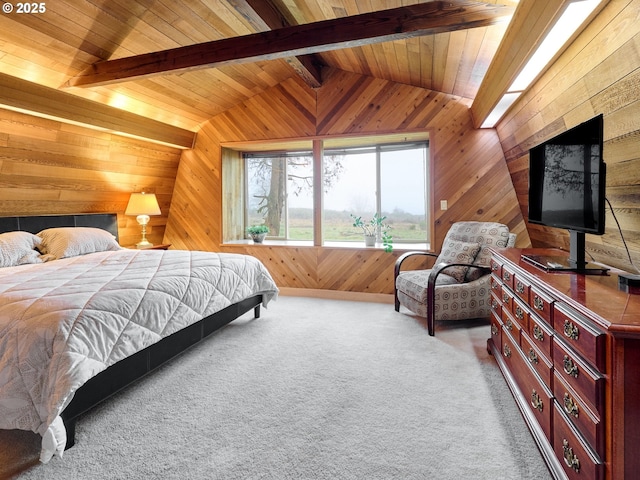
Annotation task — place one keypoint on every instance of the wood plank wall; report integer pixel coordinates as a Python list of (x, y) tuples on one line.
[(469, 170), (599, 73), (49, 167)]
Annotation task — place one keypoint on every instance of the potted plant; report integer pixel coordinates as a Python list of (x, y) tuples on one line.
[(370, 229), (258, 232)]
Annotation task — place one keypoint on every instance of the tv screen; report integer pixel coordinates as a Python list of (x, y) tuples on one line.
[(567, 180)]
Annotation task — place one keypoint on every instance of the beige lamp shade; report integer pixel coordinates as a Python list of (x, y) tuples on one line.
[(142, 204)]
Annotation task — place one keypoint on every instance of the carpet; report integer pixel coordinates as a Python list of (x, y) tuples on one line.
[(315, 389)]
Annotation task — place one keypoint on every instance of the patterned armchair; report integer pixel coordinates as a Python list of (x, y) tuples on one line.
[(458, 286)]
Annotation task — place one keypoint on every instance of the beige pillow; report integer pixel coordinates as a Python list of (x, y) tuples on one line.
[(63, 242), (458, 252), (18, 248)]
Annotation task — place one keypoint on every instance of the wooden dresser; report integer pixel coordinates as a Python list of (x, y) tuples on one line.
[(569, 348)]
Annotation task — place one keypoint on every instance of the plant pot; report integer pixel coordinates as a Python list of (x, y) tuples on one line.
[(258, 237), (370, 240)]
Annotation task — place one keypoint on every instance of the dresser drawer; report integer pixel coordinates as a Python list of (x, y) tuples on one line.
[(541, 304), (510, 325), (496, 267), (496, 303), (521, 287), (508, 276), (496, 329), (580, 376), (539, 398), (577, 459), (581, 334), (520, 312), (537, 360), (588, 423), (496, 285), (541, 335), (506, 296)]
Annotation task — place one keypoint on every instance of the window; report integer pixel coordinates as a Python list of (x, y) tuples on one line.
[(390, 179), (280, 193), (360, 181)]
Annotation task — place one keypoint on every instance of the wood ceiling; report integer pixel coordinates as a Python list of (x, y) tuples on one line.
[(72, 40)]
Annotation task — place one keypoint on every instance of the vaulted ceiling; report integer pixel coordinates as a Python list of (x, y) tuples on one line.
[(212, 55)]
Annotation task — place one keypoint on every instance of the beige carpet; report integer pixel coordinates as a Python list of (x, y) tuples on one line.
[(315, 389)]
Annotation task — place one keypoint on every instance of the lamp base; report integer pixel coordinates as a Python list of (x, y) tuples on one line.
[(144, 244)]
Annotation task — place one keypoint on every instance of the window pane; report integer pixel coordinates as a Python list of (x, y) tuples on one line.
[(258, 184), (280, 195), (403, 190), (300, 198), (350, 189)]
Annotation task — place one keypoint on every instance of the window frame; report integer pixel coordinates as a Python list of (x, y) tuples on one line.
[(302, 147)]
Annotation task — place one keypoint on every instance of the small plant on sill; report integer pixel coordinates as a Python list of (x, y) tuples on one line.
[(257, 232), (370, 229)]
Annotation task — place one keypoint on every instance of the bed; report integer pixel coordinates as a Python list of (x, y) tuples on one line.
[(81, 317)]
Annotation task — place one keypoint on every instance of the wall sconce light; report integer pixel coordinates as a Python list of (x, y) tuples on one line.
[(143, 205)]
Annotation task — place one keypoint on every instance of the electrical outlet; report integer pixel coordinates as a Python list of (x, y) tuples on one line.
[(443, 205)]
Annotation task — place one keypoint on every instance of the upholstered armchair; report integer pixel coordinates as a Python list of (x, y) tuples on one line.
[(458, 285)]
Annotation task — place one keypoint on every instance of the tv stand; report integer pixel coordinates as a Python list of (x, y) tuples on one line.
[(575, 262)]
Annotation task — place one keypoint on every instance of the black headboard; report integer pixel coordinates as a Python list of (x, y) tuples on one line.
[(36, 223)]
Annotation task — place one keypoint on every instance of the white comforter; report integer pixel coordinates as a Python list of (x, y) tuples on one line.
[(64, 321)]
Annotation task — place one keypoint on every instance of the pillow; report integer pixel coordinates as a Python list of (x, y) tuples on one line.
[(63, 242), (18, 248), (458, 252), (483, 258)]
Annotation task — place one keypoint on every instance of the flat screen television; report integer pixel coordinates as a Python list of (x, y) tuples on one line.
[(567, 190)]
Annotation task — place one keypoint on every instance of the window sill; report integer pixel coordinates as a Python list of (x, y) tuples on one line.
[(348, 245)]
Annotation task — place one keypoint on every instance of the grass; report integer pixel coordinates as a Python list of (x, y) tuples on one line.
[(338, 226)]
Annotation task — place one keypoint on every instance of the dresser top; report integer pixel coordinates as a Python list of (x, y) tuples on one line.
[(596, 296)]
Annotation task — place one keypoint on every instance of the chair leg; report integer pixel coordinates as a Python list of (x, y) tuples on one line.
[(397, 302), (431, 326), (431, 311)]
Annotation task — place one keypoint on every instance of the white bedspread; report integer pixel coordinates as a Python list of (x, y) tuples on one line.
[(64, 321)]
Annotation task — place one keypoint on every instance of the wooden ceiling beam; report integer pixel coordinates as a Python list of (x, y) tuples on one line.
[(347, 32), (28, 97), (308, 67)]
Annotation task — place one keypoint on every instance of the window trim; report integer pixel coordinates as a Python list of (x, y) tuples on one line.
[(407, 140)]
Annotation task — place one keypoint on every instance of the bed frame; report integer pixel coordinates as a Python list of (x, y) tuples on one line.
[(130, 369)]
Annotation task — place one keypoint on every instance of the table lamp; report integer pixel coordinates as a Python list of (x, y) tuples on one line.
[(143, 205)]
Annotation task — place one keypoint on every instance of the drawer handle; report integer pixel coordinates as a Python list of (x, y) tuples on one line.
[(571, 330), (538, 334), (570, 368), (494, 303), (494, 330), (570, 406), (569, 458), (520, 287), (505, 297), (495, 267), (506, 276), (533, 357), (509, 324), (536, 401), (519, 313), (538, 303), (506, 351)]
